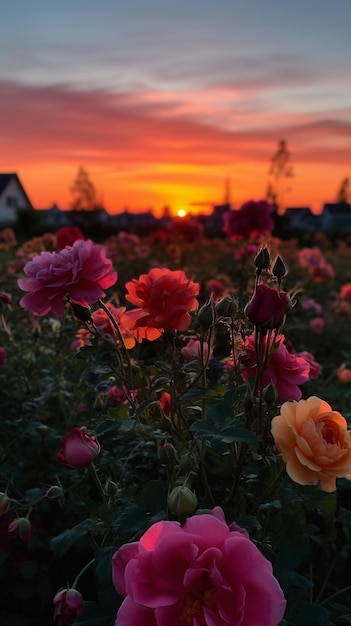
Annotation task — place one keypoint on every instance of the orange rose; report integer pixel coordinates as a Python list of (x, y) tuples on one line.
[(164, 299), (314, 442)]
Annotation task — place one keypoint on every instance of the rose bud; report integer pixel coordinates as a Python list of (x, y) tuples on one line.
[(262, 260), (182, 502), (267, 307), (205, 315), (68, 604), (78, 449), (21, 527), (3, 502), (81, 312), (226, 307)]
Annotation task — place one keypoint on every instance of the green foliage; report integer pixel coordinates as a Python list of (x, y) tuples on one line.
[(219, 433)]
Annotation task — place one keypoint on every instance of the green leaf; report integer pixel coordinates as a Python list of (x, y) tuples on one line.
[(203, 428), (68, 538), (103, 564), (131, 521), (106, 426)]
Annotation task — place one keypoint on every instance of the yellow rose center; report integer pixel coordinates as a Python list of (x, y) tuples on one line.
[(194, 601)]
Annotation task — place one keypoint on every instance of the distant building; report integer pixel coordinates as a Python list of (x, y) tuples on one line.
[(334, 220), (337, 218), (12, 198), (302, 219)]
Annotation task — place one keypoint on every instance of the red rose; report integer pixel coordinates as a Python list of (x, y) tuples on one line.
[(267, 307), (253, 219), (78, 449), (67, 235)]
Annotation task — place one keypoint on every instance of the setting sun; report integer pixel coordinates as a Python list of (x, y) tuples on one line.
[(181, 213)]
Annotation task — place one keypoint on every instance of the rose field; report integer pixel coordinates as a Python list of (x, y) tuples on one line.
[(175, 441)]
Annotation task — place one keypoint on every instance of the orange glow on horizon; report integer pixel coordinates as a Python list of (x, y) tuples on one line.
[(49, 184)]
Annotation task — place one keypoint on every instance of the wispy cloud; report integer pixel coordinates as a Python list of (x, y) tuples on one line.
[(148, 139)]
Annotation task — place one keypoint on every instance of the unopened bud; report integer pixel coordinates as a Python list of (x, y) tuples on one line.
[(226, 307), (167, 453), (262, 259), (279, 268), (3, 502), (205, 315), (54, 492), (182, 502), (21, 525), (111, 488), (82, 313)]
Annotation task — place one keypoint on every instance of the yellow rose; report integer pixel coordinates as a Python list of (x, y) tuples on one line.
[(314, 442)]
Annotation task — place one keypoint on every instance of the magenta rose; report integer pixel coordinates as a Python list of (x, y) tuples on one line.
[(253, 219), (81, 272), (68, 604), (2, 356), (285, 370), (267, 307), (203, 572), (78, 449)]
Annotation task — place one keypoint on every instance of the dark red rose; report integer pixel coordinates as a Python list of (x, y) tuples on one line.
[(267, 307)]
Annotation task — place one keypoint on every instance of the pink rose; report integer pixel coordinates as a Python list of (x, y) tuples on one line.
[(285, 370), (68, 604), (164, 299), (78, 449), (315, 368), (192, 350), (5, 298), (116, 396), (267, 307), (81, 272), (253, 219), (215, 288), (344, 375), (317, 325), (67, 235), (203, 572)]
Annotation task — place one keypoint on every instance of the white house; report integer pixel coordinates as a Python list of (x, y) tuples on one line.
[(12, 198)]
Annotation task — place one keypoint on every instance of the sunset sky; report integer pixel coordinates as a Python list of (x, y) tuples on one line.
[(163, 101)]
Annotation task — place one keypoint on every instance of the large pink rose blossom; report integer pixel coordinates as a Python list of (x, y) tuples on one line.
[(201, 573), (253, 219), (164, 299), (81, 272), (285, 370)]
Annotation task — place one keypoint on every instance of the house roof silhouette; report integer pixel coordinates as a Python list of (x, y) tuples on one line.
[(5, 179)]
